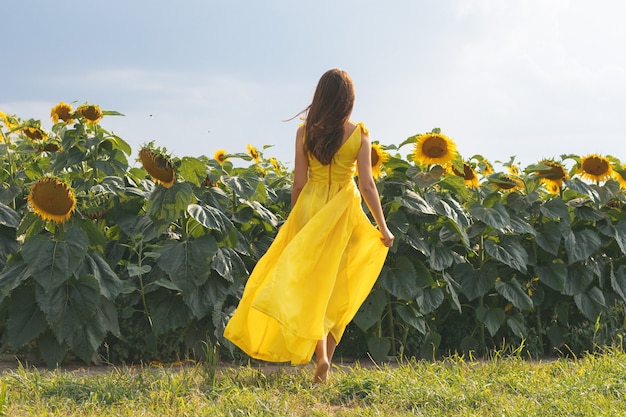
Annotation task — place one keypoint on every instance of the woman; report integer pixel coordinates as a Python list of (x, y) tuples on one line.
[(327, 256)]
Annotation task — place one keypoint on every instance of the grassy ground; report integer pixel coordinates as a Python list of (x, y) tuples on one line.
[(502, 386)]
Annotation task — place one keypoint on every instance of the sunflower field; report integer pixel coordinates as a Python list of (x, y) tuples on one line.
[(110, 255)]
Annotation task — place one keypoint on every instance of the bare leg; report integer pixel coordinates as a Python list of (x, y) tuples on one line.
[(321, 358)]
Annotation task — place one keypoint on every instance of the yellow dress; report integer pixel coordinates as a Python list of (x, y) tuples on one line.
[(318, 271)]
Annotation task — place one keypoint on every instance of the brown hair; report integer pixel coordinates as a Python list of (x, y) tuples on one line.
[(327, 114)]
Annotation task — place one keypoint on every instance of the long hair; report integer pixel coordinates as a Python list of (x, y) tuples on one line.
[(327, 114)]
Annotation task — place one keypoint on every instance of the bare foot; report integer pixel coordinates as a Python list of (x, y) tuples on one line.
[(321, 372)]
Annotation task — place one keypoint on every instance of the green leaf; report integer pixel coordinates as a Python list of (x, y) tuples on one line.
[(591, 303), (86, 340), (550, 238), (25, 320), (441, 257), (192, 170), (13, 274), (244, 186), (452, 286), (210, 217), (412, 317), (556, 209), (68, 308), (492, 318), (521, 226), (167, 310), (378, 347), (512, 290), (400, 279), (52, 351), (96, 237), (581, 244), (618, 281), (619, 233), (496, 216), (187, 263), (579, 277), (583, 188), (416, 240), (228, 264), (415, 203), (52, 261), (371, 310), (508, 251), (428, 299), (553, 275), (475, 283), (8, 216), (516, 324), (167, 205), (108, 281), (398, 223)]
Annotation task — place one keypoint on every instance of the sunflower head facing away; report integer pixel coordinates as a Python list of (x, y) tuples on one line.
[(552, 177), (470, 179), (52, 199), (220, 156), (505, 182), (434, 148), (379, 158), (62, 111), (595, 168), (158, 166), (91, 112), (254, 153), (34, 133)]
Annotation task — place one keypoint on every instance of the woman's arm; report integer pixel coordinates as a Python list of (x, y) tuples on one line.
[(301, 170), (367, 186)]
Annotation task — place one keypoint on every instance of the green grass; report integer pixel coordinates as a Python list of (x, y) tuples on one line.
[(594, 385)]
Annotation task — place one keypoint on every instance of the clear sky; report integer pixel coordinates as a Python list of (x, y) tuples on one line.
[(524, 78)]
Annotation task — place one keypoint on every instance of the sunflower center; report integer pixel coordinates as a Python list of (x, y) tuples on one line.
[(596, 166), (53, 199), (434, 147)]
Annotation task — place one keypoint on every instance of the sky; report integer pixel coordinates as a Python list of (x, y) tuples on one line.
[(531, 79)]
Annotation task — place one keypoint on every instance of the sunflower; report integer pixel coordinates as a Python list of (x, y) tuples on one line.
[(158, 166), (505, 182), (254, 153), (220, 156), (434, 148), (595, 168), (379, 158), (91, 112), (34, 133), (52, 199), (62, 111), (274, 162), (470, 178), (486, 167), (552, 177), (10, 122), (513, 169)]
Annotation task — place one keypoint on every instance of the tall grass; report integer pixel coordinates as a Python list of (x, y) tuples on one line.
[(593, 385)]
